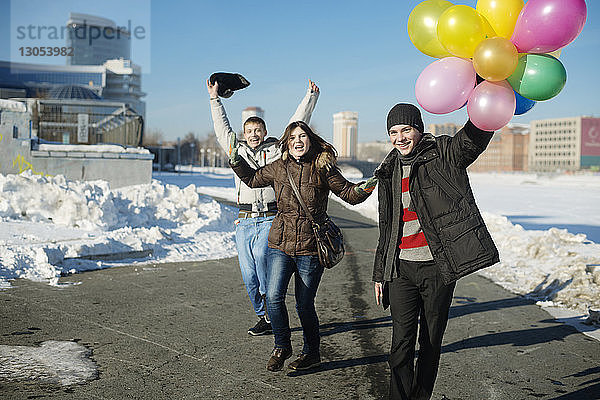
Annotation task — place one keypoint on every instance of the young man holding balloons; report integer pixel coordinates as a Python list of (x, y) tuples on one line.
[(431, 233)]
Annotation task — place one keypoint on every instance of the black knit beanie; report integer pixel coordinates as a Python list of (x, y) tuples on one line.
[(405, 114)]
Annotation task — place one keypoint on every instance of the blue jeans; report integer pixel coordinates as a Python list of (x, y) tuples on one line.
[(251, 243), (308, 274)]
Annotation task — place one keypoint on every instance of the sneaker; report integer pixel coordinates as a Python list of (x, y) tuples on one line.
[(264, 299), (305, 361), (262, 327), (278, 356)]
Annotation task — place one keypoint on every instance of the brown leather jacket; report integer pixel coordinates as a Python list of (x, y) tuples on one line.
[(291, 231)]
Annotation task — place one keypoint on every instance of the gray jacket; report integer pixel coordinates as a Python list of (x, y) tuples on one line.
[(266, 153)]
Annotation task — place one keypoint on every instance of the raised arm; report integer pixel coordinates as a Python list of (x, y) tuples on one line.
[(220, 122), (468, 144), (307, 105), (352, 193)]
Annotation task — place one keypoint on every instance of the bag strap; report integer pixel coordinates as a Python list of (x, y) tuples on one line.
[(297, 193)]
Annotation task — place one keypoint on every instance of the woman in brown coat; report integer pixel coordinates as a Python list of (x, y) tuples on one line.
[(311, 162)]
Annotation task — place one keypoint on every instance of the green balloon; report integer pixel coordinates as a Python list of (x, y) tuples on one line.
[(538, 77)]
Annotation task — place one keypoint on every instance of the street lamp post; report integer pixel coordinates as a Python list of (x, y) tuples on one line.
[(160, 157), (192, 145), (178, 156)]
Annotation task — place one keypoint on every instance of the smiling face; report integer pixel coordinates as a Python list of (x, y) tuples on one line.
[(254, 133), (298, 143), (404, 138)]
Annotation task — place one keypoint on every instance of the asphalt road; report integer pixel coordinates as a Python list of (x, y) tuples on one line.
[(178, 331)]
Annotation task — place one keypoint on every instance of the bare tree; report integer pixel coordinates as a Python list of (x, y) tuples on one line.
[(153, 136)]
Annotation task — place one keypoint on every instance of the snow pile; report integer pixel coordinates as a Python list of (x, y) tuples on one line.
[(64, 363), (553, 266), (59, 221)]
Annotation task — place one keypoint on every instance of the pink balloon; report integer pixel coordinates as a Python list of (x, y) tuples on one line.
[(445, 85), (491, 105), (547, 25)]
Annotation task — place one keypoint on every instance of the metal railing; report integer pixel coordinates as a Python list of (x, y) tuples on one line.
[(86, 122)]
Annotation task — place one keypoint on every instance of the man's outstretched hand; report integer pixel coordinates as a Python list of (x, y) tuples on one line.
[(368, 186), (213, 89), (313, 87), (234, 157)]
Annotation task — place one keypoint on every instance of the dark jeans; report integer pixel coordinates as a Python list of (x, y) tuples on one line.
[(418, 294), (308, 274)]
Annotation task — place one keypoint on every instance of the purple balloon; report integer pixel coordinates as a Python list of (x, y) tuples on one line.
[(445, 85), (491, 105), (547, 25)]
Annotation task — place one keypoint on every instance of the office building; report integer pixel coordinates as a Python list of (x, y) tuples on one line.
[(96, 40), (345, 133), (564, 144), (101, 62), (115, 80), (449, 129), (507, 151)]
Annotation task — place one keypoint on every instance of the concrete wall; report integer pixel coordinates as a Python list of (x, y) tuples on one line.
[(119, 169), (16, 156)]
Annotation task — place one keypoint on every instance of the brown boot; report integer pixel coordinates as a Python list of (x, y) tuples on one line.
[(305, 361), (278, 356)]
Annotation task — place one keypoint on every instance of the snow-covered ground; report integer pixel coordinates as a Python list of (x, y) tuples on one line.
[(546, 228)]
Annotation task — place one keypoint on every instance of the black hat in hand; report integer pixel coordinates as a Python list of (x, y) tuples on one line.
[(228, 82)]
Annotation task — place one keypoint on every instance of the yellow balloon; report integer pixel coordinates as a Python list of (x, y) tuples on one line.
[(460, 29), (495, 59), (422, 27), (501, 14)]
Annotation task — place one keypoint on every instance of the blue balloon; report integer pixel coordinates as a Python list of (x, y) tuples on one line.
[(523, 104)]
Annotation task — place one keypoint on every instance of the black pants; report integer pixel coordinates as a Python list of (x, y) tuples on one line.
[(418, 294)]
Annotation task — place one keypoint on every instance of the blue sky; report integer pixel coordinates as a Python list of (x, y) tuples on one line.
[(358, 52)]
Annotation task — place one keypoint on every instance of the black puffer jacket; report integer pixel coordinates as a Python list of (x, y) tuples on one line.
[(442, 198)]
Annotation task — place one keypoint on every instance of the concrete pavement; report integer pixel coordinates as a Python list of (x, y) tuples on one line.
[(178, 331)]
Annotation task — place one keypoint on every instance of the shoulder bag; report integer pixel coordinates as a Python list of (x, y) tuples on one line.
[(329, 238)]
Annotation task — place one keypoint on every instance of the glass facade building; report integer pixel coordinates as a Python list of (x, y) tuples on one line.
[(95, 40), (115, 80), (37, 79), (101, 62)]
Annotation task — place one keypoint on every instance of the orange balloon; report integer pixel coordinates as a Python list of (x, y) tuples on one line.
[(495, 59)]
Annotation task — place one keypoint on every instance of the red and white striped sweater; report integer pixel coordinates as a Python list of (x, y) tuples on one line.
[(413, 246)]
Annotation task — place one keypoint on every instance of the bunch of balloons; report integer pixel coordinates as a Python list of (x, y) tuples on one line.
[(498, 58)]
